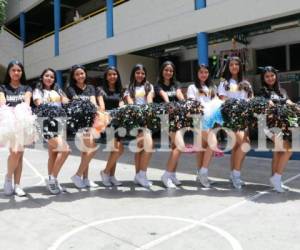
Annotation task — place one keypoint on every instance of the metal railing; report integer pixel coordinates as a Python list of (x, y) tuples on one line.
[(74, 23)]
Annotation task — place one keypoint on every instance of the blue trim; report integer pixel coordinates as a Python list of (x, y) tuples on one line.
[(112, 60), (202, 37), (57, 24), (22, 27), (59, 78), (200, 4), (109, 18), (202, 44)]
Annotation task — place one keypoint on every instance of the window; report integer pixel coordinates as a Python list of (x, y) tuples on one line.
[(294, 55), (275, 57)]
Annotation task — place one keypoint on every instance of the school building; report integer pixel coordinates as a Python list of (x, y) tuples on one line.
[(97, 33)]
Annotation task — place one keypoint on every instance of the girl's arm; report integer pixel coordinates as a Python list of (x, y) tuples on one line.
[(179, 95), (101, 103), (121, 103), (129, 100), (2, 99), (164, 96), (27, 97), (150, 95), (93, 100), (190, 93)]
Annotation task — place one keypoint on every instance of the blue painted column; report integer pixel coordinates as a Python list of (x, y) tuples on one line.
[(202, 37), (112, 59), (56, 26), (22, 27), (59, 78)]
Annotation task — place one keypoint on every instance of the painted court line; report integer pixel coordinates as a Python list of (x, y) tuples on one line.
[(231, 240), (212, 216), (203, 222), (37, 173)]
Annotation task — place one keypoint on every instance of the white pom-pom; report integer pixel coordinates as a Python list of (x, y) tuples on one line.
[(25, 124), (7, 124)]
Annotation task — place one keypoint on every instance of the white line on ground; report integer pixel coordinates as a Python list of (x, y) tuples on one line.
[(231, 240), (212, 216), (35, 171)]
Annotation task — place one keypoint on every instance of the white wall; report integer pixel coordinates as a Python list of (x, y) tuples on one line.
[(212, 2), (282, 37), (148, 25), (83, 34), (78, 45), (138, 13), (38, 55), (127, 62), (14, 7), (10, 48)]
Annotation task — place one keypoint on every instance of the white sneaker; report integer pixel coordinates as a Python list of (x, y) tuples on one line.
[(61, 188), (203, 179), (90, 184), (276, 185), (8, 186), (114, 181), (243, 184), (142, 181), (167, 181), (106, 181), (19, 191), (175, 180), (78, 182), (52, 186), (236, 181)]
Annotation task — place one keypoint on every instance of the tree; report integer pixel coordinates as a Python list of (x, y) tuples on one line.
[(2, 11)]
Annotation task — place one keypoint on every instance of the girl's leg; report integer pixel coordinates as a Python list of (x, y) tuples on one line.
[(275, 180), (108, 173), (52, 156), (174, 155), (61, 150), (284, 158), (18, 170), (86, 156), (242, 138)]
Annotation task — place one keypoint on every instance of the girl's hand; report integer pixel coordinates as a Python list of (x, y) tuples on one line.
[(271, 103), (289, 102)]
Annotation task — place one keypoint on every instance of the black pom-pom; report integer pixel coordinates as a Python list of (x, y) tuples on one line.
[(81, 114), (50, 124), (235, 114)]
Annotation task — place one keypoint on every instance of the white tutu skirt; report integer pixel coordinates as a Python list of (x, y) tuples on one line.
[(17, 125), (212, 114)]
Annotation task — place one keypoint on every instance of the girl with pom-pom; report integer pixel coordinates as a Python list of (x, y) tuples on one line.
[(271, 91), (140, 92), (204, 91), (167, 90), (15, 92), (234, 86), (48, 92), (109, 97), (79, 89)]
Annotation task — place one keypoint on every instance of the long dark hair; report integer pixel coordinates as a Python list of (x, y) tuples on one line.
[(267, 88), (208, 83), (118, 86), (227, 74), (7, 78), (40, 84), (162, 67), (133, 83), (72, 72)]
